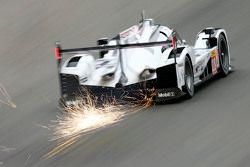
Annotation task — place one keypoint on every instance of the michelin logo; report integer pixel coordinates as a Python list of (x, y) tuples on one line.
[(168, 94)]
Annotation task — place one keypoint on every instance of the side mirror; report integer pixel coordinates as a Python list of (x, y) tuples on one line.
[(209, 31), (102, 41)]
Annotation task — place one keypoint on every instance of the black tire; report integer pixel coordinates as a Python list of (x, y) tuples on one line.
[(188, 88), (223, 56)]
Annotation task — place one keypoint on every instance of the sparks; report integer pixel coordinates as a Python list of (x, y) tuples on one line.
[(5, 97), (83, 116), (80, 119)]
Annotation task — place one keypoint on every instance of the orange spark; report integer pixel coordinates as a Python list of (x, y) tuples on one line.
[(84, 116)]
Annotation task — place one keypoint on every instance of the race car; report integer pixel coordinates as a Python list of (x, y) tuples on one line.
[(144, 56)]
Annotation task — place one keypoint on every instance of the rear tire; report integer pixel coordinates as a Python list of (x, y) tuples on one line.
[(223, 56), (188, 88)]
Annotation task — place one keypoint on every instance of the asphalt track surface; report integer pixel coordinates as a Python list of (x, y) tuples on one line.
[(210, 130)]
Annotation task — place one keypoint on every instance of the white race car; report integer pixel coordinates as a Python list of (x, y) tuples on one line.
[(145, 56)]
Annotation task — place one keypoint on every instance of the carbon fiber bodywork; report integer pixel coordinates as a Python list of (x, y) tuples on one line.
[(165, 86), (72, 90)]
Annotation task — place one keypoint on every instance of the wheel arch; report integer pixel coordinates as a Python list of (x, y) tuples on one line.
[(189, 93), (188, 56), (187, 53), (224, 34)]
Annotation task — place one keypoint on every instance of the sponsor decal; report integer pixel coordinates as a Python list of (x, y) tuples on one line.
[(166, 94), (214, 61)]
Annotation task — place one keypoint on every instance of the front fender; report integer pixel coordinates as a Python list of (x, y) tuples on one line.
[(180, 67)]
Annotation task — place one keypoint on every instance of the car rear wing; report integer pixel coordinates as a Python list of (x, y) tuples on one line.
[(59, 52)]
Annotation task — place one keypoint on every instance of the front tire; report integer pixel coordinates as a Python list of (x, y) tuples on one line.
[(188, 88), (223, 56)]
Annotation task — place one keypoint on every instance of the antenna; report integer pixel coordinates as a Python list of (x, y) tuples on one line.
[(142, 15)]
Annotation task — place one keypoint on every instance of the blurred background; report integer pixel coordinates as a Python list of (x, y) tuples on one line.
[(212, 129)]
